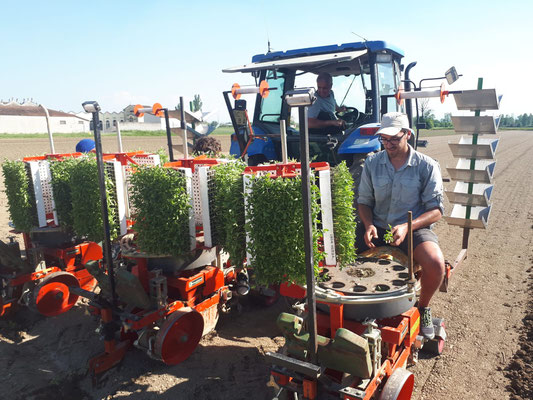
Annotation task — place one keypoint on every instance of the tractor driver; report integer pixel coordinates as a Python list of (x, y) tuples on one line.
[(321, 114), (394, 182)]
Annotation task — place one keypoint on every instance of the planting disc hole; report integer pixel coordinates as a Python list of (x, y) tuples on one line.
[(324, 275), (398, 282), (359, 289), (398, 267), (384, 262), (382, 288), (337, 285), (403, 275)]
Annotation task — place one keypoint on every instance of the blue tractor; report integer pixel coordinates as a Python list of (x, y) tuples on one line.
[(366, 76)]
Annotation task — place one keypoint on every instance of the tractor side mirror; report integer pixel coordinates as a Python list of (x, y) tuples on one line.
[(451, 75)]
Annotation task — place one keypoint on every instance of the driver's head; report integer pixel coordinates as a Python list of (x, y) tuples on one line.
[(324, 82)]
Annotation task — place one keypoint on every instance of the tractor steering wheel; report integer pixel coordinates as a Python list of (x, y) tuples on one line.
[(350, 115)]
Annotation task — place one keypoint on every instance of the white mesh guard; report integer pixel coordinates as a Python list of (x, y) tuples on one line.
[(327, 216), (203, 194), (42, 186)]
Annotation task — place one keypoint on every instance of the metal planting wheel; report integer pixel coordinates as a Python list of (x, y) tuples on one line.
[(374, 286), (52, 295), (178, 337)]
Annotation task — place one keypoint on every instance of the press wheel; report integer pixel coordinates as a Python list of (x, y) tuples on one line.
[(178, 337), (52, 295), (436, 345), (399, 386)]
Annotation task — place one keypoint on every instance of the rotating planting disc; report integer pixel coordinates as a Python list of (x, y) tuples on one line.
[(373, 273), (52, 295), (178, 337)]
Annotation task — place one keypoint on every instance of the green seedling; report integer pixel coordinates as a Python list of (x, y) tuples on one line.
[(344, 224), (20, 195), (275, 229), (388, 238), (161, 203), (228, 210)]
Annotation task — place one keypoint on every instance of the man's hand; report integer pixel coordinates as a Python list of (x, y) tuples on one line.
[(399, 232), (338, 123), (341, 109), (370, 233)]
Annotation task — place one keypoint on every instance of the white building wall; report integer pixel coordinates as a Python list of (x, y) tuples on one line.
[(140, 126), (37, 124)]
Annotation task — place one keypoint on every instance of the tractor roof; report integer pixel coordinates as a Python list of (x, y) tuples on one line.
[(310, 57)]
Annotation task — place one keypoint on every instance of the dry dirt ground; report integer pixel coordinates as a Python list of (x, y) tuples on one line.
[(487, 311)]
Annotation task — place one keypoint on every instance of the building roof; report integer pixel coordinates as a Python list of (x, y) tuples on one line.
[(189, 116), (30, 110)]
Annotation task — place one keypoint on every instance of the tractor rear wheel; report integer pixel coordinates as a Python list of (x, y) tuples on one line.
[(178, 337), (52, 295)]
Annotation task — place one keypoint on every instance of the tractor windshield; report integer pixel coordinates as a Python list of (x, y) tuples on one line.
[(389, 82), (271, 105), (351, 91)]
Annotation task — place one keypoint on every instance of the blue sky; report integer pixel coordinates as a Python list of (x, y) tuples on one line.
[(61, 53)]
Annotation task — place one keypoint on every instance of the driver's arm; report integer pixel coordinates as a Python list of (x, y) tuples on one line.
[(340, 109), (315, 123)]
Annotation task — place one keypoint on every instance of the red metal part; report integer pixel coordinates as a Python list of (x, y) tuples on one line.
[(399, 386), (5, 307), (309, 389), (211, 277), (52, 295), (289, 170), (191, 163), (178, 337), (399, 333), (450, 269), (54, 156), (114, 353), (292, 290), (33, 276), (73, 257), (123, 158)]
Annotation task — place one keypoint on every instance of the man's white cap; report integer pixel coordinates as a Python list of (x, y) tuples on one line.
[(392, 123)]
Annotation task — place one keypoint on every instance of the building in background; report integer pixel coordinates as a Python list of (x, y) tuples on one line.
[(29, 117)]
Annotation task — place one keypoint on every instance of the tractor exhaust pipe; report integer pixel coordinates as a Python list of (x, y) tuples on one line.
[(408, 102)]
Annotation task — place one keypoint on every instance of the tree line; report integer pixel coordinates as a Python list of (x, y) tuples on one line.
[(506, 121)]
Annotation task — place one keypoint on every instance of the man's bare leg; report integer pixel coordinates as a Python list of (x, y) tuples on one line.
[(430, 258)]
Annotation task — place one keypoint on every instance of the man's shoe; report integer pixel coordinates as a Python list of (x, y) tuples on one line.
[(426, 323)]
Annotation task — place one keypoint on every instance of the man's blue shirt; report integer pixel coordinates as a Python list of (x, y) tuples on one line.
[(327, 104), (416, 186)]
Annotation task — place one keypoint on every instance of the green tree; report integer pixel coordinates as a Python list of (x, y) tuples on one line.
[(426, 114), (196, 103)]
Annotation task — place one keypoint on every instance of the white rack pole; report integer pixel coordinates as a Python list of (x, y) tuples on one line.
[(283, 132), (119, 138)]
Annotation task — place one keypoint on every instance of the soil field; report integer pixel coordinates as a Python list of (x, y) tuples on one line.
[(487, 311)]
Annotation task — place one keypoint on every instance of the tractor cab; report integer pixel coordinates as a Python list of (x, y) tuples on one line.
[(366, 75)]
